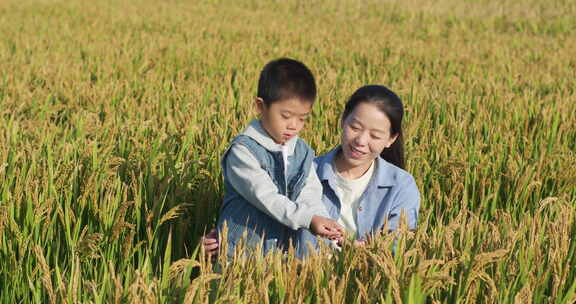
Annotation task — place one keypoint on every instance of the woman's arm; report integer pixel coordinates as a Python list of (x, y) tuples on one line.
[(406, 202)]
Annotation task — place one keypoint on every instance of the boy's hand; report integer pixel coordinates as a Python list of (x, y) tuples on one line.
[(327, 228), (210, 243), (355, 243)]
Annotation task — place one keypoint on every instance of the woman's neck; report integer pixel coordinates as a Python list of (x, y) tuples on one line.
[(347, 170)]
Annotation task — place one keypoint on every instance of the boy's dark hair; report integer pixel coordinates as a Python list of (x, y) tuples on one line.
[(285, 78)]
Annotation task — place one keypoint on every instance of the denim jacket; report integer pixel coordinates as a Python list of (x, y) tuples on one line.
[(390, 192)]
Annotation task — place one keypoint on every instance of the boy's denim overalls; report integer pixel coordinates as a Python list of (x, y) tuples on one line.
[(242, 217)]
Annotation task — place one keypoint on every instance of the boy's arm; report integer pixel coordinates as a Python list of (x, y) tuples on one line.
[(311, 194), (244, 173)]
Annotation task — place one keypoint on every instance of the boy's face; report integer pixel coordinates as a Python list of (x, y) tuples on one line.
[(283, 119)]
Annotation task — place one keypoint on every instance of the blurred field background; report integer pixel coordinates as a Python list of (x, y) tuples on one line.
[(114, 114)]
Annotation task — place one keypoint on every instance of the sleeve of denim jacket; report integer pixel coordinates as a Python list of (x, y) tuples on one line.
[(244, 173), (406, 201), (311, 194)]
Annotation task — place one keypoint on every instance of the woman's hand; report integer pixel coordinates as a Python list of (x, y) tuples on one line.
[(326, 228), (210, 243)]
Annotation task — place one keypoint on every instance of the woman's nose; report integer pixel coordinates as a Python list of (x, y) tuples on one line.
[(362, 139)]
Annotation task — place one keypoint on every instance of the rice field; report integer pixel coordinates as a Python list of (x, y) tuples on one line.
[(114, 114)]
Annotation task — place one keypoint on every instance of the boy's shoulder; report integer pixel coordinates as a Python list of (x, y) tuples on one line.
[(304, 145), (241, 139), (300, 144)]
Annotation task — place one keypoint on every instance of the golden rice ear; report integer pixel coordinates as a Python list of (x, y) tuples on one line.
[(223, 245), (258, 251), (403, 222)]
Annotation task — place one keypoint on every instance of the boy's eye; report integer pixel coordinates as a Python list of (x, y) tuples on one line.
[(285, 116)]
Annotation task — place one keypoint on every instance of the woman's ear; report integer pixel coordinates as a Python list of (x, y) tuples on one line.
[(392, 140)]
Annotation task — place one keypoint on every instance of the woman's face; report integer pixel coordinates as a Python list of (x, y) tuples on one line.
[(365, 133)]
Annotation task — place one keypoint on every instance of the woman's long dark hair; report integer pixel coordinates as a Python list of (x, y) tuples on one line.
[(391, 105)]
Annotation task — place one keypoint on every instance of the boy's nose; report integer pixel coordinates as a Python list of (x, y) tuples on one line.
[(292, 125)]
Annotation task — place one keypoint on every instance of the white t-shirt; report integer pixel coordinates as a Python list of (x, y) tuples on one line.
[(285, 152), (349, 192)]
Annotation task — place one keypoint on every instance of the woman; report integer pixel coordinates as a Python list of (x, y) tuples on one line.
[(364, 183)]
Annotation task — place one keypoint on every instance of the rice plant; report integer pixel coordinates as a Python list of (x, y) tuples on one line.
[(114, 115)]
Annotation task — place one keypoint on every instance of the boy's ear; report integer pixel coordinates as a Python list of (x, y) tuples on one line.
[(259, 104)]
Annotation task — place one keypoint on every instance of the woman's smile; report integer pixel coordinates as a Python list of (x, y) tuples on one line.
[(356, 153)]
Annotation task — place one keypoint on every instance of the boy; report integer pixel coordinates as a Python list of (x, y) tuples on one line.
[(272, 191)]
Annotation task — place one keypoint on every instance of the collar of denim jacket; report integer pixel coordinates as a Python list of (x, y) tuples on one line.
[(257, 132), (386, 174)]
